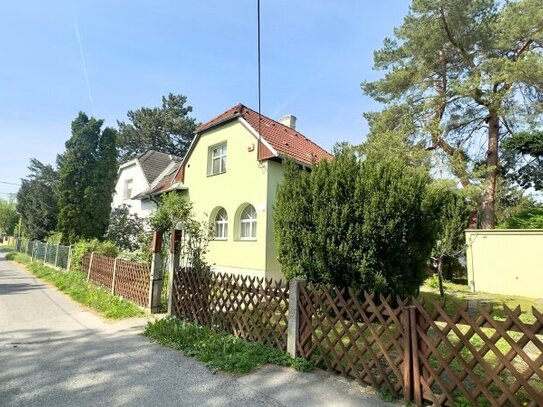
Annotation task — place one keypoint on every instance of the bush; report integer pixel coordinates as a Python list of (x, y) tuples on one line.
[(531, 218), (88, 246), (125, 229), (357, 223)]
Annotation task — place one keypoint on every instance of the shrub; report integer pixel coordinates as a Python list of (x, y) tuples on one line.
[(354, 222), (88, 246), (125, 229)]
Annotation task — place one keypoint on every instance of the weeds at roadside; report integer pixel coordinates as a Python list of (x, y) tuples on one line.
[(219, 351), (76, 286)]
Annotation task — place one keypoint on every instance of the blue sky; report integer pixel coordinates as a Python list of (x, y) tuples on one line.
[(315, 54)]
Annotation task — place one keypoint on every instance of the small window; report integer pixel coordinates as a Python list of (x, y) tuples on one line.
[(248, 223), (217, 159), (127, 189), (221, 225)]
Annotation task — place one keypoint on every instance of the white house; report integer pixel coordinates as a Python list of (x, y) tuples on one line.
[(139, 175)]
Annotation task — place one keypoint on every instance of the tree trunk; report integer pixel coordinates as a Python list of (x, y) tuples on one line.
[(489, 194), (440, 278)]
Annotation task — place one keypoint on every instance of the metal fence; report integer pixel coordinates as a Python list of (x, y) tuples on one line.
[(55, 255)]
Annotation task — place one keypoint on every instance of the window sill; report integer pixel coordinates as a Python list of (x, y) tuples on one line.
[(220, 239), (246, 239), (214, 175)]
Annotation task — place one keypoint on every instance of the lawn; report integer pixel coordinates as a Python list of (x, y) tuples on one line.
[(76, 286), (460, 294)]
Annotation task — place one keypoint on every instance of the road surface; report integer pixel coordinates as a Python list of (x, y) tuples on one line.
[(53, 352)]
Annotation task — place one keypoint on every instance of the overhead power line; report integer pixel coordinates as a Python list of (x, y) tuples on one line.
[(10, 183)]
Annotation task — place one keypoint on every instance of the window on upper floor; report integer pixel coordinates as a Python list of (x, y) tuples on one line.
[(221, 225), (248, 223), (217, 159), (127, 193)]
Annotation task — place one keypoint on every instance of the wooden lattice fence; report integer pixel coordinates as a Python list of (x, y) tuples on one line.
[(132, 281), (122, 277), (355, 335), (481, 357), (252, 308), (101, 270)]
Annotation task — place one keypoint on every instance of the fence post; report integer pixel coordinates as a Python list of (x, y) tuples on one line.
[(155, 283), (90, 267), (175, 239), (293, 326), (69, 261), (113, 278), (417, 389), (33, 250), (56, 255), (45, 253)]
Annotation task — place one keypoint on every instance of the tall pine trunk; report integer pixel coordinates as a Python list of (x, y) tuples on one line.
[(489, 194)]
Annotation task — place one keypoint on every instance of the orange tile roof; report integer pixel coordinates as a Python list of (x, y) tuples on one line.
[(285, 141)]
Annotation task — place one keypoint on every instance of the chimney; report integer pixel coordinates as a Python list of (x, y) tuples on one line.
[(289, 120)]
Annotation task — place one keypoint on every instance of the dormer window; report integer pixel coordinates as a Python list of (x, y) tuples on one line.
[(217, 159)]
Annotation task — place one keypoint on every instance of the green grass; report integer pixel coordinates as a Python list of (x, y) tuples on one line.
[(75, 285), (219, 351), (460, 294), (6, 248)]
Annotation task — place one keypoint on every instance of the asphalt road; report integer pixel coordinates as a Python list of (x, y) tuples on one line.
[(53, 352)]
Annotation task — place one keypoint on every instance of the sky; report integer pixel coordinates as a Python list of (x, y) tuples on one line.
[(108, 57)]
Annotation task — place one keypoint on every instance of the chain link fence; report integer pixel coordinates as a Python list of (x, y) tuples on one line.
[(55, 255)]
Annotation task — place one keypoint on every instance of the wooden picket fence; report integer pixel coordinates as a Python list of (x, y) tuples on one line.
[(480, 358), (128, 279)]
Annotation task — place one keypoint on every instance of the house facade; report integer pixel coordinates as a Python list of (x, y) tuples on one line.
[(230, 174), (139, 175)]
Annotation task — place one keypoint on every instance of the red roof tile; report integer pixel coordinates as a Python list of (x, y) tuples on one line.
[(284, 140)]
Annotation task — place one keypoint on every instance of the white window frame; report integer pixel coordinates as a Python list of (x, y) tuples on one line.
[(251, 221), (127, 191), (221, 225), (218, 153)]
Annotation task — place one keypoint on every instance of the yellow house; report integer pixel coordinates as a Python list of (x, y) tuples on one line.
[(230, 174)]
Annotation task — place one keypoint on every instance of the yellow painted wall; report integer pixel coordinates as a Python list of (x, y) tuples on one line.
[(245, 181), (506, 261), (275, 176)]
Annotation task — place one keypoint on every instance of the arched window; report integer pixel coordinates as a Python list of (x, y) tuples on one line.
[(221, 224), (248, 223)]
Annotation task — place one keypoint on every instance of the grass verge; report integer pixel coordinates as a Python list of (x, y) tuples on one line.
[(219, 351), (76, 286)]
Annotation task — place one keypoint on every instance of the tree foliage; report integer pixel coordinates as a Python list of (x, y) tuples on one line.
[(523, 159), (175, 212), (8, 216), (168, 129), (88, 172), (460, 76), (355, 222), (530, 218), (125, 229), (37, 201)]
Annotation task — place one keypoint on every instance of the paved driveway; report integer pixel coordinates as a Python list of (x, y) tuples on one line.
[(55, 353)]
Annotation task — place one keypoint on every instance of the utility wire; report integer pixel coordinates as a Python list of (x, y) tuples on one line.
[(259, 76), (10, 183)]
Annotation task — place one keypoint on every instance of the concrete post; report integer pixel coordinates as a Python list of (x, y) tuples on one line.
[(175, 239), (90, 267), (155, 285), (113, 278), (293, 328), (56, 255), (45, 253), (69, 262)]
